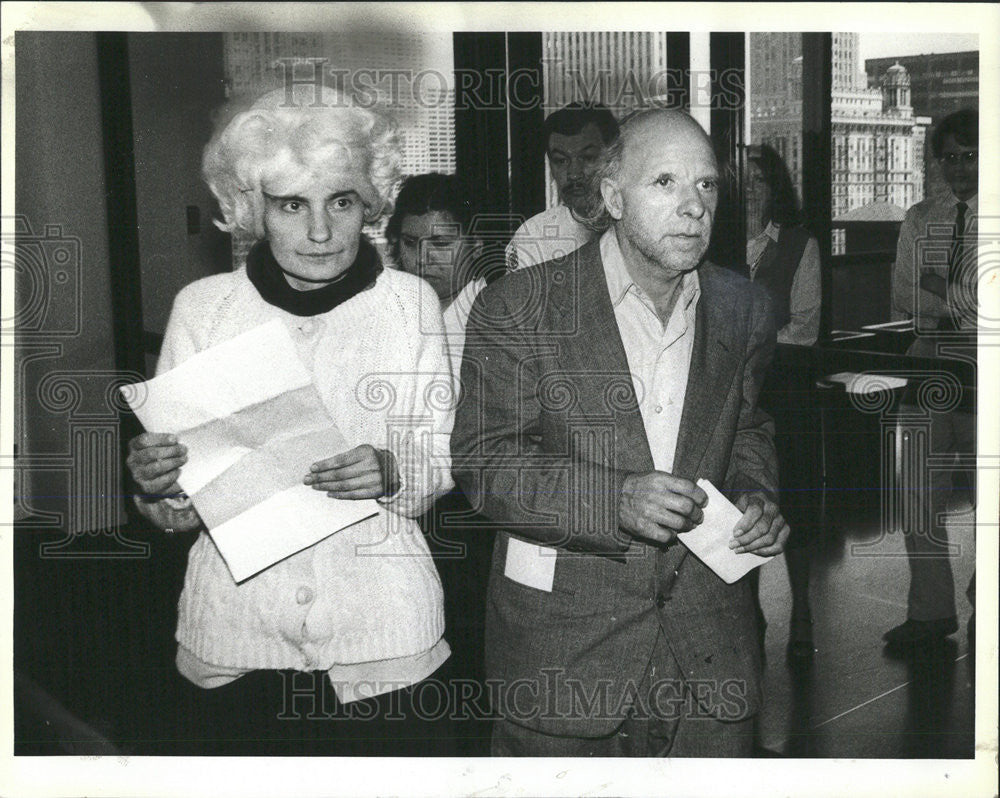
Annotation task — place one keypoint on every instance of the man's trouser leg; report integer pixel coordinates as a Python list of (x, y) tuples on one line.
[(927, 490)]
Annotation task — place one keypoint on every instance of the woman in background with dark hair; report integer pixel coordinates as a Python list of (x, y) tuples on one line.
[(781, 255), (784, 258), (430, 235)]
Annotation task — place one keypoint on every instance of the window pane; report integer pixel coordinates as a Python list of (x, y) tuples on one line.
[(883, 112), (775, 98)]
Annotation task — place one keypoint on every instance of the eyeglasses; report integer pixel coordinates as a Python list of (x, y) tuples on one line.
[(952, 158)]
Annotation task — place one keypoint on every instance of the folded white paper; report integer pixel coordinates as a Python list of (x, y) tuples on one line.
[(530, 564), (866, 383), (253, 423), (709, 541)]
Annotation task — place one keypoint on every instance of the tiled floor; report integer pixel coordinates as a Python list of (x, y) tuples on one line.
[(856, 700)]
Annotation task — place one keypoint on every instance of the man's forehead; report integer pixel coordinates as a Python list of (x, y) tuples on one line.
[(668, 143), (952, 145), (669, 126), (588, 136)]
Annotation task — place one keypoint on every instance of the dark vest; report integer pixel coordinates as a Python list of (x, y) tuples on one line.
[(777, 269)]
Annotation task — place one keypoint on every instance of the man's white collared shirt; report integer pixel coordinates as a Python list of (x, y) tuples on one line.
[(551, 234), (659, 357)]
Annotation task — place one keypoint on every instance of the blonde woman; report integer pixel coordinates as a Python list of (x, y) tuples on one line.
[(363, 608)]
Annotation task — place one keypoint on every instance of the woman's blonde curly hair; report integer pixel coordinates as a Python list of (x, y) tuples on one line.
[(293, 130)]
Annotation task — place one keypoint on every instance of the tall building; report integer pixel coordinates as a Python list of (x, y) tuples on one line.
[(250, 59), (940, 84), (620, 69), (877, 147), (775, 97)]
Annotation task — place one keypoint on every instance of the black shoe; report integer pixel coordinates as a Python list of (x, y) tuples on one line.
[(912, 632)]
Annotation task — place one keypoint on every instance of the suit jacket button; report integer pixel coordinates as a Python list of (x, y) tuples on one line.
[(661, 600)]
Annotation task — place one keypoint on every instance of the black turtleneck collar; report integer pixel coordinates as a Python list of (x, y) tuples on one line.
[(269, 280)]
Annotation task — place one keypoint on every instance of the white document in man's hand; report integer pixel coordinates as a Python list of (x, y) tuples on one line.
[(253, 423), (709, 541)]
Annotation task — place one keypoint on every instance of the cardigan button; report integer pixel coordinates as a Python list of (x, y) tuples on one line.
[(304, 595)]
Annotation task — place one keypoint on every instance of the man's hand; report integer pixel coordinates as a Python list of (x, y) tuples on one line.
[(155, 461), (761, 530), (363, 472), (657, 506)]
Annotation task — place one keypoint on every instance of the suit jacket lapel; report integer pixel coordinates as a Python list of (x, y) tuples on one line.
[(713, 364), (597, 347)]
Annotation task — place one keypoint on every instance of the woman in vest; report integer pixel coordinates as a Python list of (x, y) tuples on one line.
[(781, 255), (784, 258)]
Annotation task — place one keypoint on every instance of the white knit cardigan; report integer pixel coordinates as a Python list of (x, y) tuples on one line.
[(371, 591)]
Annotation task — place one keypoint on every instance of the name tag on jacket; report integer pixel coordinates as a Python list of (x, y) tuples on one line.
[(531, 565)]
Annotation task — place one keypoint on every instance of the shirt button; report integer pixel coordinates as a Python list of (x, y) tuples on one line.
[(304, 595), (658, 408)]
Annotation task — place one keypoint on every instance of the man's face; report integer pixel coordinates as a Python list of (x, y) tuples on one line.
[(960, 168), (573, 161), (665, 196)]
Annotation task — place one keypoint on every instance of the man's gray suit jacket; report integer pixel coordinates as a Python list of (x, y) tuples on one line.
[(546, 432)]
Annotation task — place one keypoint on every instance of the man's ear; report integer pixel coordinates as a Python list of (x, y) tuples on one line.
[(612, 197)]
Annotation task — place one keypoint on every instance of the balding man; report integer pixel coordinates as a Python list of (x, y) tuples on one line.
[(598, 389)]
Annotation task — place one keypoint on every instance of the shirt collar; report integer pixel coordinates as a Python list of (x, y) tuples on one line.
[(972, 202), (620, 281), (949, 200), (771, 231)]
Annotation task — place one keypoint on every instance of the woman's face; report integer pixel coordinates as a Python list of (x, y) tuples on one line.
[(314, 227), (432, 246), (758, 208)]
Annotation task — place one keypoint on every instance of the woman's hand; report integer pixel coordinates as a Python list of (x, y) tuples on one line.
[(155, 461), (363, 472)]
